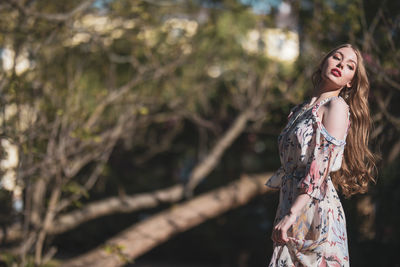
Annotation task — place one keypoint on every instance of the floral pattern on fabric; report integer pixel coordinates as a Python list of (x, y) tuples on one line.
[(308, 154)]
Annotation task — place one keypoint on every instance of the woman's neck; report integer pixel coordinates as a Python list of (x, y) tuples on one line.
[(321, 92)]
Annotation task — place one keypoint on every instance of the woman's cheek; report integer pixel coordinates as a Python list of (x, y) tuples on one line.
[(349, 77)]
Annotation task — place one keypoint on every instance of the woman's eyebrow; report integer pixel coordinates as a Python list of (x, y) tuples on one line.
[(348, 59)]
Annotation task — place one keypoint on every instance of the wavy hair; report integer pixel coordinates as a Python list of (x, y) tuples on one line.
[(359, 162)]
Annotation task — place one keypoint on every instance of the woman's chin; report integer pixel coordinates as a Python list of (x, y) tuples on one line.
[(331, 83)]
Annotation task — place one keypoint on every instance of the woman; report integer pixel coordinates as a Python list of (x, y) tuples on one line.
[(310, 225)]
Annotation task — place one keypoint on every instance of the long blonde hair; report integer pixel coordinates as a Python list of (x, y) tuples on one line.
[(359, 163)]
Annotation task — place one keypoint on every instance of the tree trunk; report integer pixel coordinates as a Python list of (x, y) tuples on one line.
[(142, 237)]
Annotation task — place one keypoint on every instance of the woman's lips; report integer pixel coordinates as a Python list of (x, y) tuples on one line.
[(336, 72)]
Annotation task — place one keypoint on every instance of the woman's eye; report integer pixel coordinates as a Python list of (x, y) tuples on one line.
[(336, 57), (350, 67)]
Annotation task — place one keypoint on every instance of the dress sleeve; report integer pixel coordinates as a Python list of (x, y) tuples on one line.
[(276, 179), (328, 148), (294, 110)]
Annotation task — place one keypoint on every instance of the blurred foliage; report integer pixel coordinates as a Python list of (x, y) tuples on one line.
[(8, 259)]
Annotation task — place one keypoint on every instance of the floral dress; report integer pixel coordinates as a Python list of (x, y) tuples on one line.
[(308, 154)]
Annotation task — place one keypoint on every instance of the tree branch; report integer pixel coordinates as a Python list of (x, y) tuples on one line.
[(212, 159), (114, 205)]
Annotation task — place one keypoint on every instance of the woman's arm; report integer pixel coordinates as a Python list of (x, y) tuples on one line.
[(279, 234)]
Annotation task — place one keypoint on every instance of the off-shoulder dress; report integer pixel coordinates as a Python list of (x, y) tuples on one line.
[(306, 149)]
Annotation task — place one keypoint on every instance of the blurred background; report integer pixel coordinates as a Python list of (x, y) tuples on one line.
[(141, 132)]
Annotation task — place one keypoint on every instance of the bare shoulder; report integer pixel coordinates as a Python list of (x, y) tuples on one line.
[(335, 117), (337, 107), (338, 103)]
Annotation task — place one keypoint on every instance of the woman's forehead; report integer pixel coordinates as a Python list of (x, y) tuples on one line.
[(347, 53)]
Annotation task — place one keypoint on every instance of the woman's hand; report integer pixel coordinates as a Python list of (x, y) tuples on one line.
[(279, 233)]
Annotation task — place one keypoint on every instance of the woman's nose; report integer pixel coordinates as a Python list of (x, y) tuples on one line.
[(340, 65)]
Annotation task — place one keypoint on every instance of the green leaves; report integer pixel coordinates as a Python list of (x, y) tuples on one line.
[(75, 188), (116, 249)]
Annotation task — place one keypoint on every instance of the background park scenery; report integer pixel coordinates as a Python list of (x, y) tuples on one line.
[(141, 132)]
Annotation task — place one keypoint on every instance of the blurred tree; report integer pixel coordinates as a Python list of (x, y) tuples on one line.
[(6, 212), (83, 79)]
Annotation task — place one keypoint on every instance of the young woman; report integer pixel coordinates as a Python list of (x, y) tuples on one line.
[(323, 147)]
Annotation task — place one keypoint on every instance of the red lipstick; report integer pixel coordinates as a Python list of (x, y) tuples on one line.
[(336, 72)]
